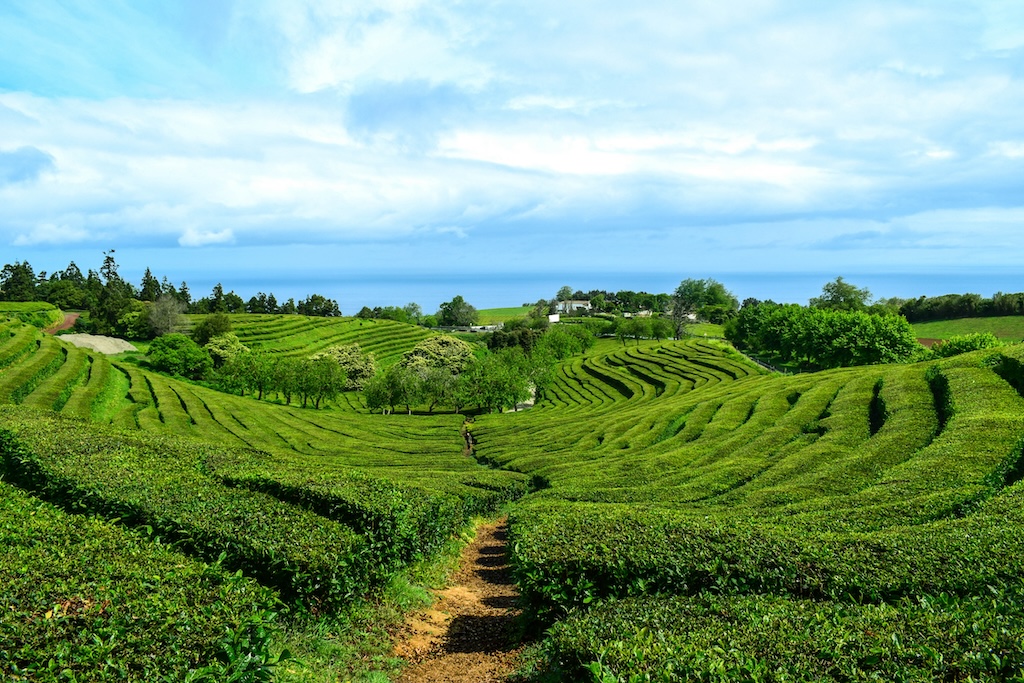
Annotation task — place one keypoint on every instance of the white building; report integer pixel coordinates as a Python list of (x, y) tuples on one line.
[(572, 305)]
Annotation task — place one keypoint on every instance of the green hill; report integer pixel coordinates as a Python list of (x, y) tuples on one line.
[(1010, 328), (673, 507)]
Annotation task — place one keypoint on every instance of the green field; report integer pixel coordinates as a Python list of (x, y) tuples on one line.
[(1009, 328), (676, 512), (490, 316)]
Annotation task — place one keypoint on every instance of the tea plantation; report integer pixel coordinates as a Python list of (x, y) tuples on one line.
[(676, 513)]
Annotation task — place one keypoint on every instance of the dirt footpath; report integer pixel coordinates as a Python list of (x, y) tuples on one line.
[(69, 321), (468, 635)]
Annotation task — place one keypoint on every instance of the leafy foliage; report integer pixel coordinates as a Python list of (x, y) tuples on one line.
[(823, 337), (86, 600), (457, 313), (178, 355), (964, 343), (357, 366)]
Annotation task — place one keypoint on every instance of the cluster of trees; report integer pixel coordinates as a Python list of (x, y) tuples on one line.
[(455, 313), (694, 299), (153, 308), (615, 303), (444, 371), (952, 306), (818, 338), (232, 367), (410, 314)]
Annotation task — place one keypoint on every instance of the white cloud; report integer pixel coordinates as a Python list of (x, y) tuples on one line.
[(48, 233), (1011, 149), (336, 45), (197, 237)]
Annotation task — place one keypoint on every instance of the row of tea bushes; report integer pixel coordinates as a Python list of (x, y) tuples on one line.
[(723, 639), (155, 482), (567, 555), (83, 600), (402, 523)]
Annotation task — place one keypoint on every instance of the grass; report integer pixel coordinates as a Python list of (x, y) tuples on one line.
[(490, 316), (1010, 328), (706, 330)]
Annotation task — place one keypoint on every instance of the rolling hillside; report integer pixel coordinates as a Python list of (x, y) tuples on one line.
[(675, 511)]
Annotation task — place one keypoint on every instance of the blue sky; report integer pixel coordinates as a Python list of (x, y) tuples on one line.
[(300, 140)]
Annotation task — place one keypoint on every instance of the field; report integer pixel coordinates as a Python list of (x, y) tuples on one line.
[(1009, 328), (676, 512), (490, 316)]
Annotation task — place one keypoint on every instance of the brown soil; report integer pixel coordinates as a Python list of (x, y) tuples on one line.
[(926, 341), (69, 321), (468, 635)]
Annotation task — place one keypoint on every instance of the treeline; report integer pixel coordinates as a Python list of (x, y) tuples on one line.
[(116, 306), (952, 306), (819, 338)]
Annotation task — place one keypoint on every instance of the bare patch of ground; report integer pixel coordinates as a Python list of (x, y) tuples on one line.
[(927, 341), (105, 345), (469, 633), (69, 321)]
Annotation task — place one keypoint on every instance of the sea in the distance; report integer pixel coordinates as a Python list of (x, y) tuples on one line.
[(496, 290)]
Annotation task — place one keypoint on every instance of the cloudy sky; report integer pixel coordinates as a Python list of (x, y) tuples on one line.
[(310, 139)]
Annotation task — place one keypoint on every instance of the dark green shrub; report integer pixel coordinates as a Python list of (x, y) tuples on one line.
[(176, 354)]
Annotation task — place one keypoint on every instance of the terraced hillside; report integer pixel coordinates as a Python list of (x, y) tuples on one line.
[(320, 507), (873, 510), (300, 335), (679, 513)]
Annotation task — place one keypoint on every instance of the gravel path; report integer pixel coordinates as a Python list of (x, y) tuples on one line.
[(468, 634)]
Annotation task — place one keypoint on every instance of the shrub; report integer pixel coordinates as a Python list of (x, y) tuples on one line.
[(178, 355), (963, 343)]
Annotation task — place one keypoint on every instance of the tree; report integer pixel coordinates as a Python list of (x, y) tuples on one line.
[(691, 296), (438, 387), (216, 300), (413, 312), (457, 313), (225, 348), (440, 351), (114, 298), (176, 354), (320, 379), (564, 293), (233, 303), (500, 380), (18, 282), (396, 386), (150, 289), (165, 314), (840, 295), (358, 367), (661, 328), (317, 305), (211, 326), (134, 322)]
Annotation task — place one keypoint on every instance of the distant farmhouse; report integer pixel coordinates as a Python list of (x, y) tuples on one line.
[(572, 306)]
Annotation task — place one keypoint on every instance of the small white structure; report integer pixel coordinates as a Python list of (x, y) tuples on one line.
[(554, 318), (572, 305)]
